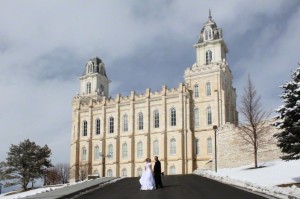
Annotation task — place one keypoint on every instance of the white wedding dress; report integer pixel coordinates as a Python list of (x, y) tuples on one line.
[(147, 179)]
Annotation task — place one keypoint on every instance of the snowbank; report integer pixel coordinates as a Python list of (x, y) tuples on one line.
[(263, 180)]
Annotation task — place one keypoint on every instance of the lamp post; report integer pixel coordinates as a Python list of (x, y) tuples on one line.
[(103, 163), (215, 127)]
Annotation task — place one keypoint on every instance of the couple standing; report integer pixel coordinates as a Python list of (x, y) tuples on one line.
[(148, 182)]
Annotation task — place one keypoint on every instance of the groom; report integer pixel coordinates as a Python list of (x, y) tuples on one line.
[(157, 173)]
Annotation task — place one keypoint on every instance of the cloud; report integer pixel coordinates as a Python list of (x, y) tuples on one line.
[(44, 46)]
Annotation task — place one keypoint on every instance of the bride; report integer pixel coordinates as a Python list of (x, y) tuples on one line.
[(147, 179)]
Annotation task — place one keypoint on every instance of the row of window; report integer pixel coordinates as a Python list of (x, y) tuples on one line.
[(140, 149), (109, 173), (209, 146), (207, 89), (197, 118), (92, 69), (89, 88), (140, 122)]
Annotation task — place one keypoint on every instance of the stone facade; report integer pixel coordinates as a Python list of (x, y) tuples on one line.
[(114, 136), (233, 151)]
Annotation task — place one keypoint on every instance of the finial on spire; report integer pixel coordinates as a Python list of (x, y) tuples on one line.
[(209, 15)]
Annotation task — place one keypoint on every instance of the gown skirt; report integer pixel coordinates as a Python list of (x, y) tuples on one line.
[(147, 180)]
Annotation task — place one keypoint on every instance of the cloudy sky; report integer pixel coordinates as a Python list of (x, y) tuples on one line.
[(44, 46)]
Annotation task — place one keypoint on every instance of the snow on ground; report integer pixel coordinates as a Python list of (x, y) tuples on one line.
[(28, 193), (12, 195), (263, 179)]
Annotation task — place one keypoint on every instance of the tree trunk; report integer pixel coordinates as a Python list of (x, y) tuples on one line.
[(255, 149), (255, 156)]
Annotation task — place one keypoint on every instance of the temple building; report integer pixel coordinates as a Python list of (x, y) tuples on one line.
[(114, 136)]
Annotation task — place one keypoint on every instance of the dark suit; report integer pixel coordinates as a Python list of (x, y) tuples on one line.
[(157, 174)]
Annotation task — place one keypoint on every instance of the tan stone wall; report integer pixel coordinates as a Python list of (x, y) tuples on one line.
[(232, 150)]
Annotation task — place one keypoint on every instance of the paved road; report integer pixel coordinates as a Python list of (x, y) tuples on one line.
[(176, 187)]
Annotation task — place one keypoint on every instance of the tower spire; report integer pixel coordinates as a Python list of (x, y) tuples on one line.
[(209, 15)]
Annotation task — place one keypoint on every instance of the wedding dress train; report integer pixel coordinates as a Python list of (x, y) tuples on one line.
[(147, 179)]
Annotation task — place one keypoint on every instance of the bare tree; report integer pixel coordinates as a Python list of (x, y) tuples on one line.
[(63, 171), (52, 176), (256, 124)]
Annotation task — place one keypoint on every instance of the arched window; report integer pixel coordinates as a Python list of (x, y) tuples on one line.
[(124, 172), (139, 149), (110, 151), (208, 56), (124, 151), (172, 146), (173, 117), (97, 126), (88, 87), (197, 146), (125, 122), (196, 117), (97, 69), (83, 153), (209, 116), (207, 34), (90, 68), (172, 170), (96, 153), (209, 146), (111, 125), (155, 147), (84, 129), (208, 88), (139, 172), (196, 90), (140, 121), (109, 173), (156, 118)]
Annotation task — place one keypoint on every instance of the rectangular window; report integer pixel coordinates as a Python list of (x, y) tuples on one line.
[(125, 123), (209, 116), (140, 121), (140, 150), (85, 128), (156, 119), (173, 117), (97, 127), (173, 147), (156, 148), (111, 125), (209, 146), (196, 90), (124, 151)]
